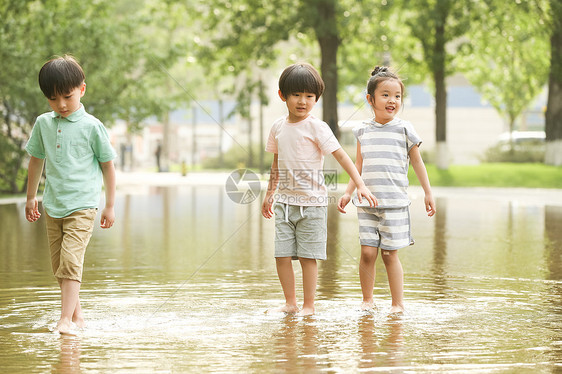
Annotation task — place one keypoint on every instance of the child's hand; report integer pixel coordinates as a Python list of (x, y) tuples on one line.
[(365, 193), (32, 213), (429, 205), (107, 218), (267, 207), (343, 201)]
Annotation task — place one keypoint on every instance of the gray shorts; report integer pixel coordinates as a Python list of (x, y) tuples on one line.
[(300, 231), (385, 228)]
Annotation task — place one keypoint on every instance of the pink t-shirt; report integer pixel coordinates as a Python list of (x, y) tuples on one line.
[(301, 148)]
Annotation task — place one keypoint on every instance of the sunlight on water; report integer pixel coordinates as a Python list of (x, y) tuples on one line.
[(182, 283)]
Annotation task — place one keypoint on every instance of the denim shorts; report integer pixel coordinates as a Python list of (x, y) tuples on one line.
[(300, 231), (68, 239)]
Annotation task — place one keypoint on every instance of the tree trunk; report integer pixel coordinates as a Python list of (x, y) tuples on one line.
[(165, 155), (261, 143), (221, 131), (194, 159), (553, 120), (250, 132), (442, 156), (511, 140), (327, 34)]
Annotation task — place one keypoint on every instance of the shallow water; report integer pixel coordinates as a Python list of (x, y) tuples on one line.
[(181, 283)]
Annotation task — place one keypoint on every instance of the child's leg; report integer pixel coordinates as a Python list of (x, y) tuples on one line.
[(77, 316), (309, 281), (287, 279), (68, 239), (395, 279), (367, 274), (70, 290)]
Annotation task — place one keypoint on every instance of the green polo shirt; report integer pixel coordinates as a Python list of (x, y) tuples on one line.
[(72, 148)]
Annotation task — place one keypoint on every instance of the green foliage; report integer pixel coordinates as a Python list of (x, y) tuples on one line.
[(507, 60), (10, 158), (109, 40), (508, 175), (433, 34), (494, 175), (367, 30), (529, 153), (144, 58)]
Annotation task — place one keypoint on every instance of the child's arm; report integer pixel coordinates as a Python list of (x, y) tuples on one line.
[(421, 173), (267, 206), (355, 181), (108, 213), (34, 171)]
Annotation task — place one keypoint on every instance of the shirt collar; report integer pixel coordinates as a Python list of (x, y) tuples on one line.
[(394, 121), (74, 117)]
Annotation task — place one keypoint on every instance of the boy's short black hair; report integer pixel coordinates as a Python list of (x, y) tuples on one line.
[(60, 75), (301, 77)]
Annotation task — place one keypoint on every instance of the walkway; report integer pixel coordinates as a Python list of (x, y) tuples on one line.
[(129, 181)]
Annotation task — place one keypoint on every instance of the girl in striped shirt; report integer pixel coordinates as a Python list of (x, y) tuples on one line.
[(385, 147)]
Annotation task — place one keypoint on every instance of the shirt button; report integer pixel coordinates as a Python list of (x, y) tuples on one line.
[(60, 130), (58, 145)]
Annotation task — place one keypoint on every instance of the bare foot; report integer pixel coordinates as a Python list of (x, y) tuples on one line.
[(63, 327), (368, 305), (396, 311), (288, 309), (306, 312), (79, 322)]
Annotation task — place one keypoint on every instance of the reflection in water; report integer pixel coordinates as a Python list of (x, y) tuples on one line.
[(296, 345), (553, 248), (180, 284), (327, 282), (166, 222), (381, 344), (439, 268), (553, 260), (69, 358)]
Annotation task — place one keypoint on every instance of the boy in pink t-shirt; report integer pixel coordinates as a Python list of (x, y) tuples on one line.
[(296, 190)]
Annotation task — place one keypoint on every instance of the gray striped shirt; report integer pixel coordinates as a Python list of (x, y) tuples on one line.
[(385, 159)]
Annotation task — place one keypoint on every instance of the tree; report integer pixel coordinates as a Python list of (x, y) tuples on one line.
[(437, 24), (15, 83), (245, 31), (325, 25), (507, 59), (103, 35), (236, 49), (167, 33), (553, 126)]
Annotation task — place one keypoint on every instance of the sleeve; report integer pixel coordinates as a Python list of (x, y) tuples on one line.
[(358, 132), (35, 146), (412, 137), (101, 144), (326, 140), (271, 145)]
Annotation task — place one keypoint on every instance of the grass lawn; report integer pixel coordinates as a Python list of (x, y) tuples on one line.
[(489, 175), (483, 175)]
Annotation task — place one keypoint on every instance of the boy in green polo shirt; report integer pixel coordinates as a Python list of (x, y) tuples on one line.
[(76, 151)]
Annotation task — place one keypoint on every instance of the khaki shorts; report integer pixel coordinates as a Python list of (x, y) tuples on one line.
[(68, 239)]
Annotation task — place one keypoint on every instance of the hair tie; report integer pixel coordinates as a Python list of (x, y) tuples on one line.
[(379, 70)]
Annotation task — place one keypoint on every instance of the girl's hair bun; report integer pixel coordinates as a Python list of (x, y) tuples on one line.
[(379, 70)]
